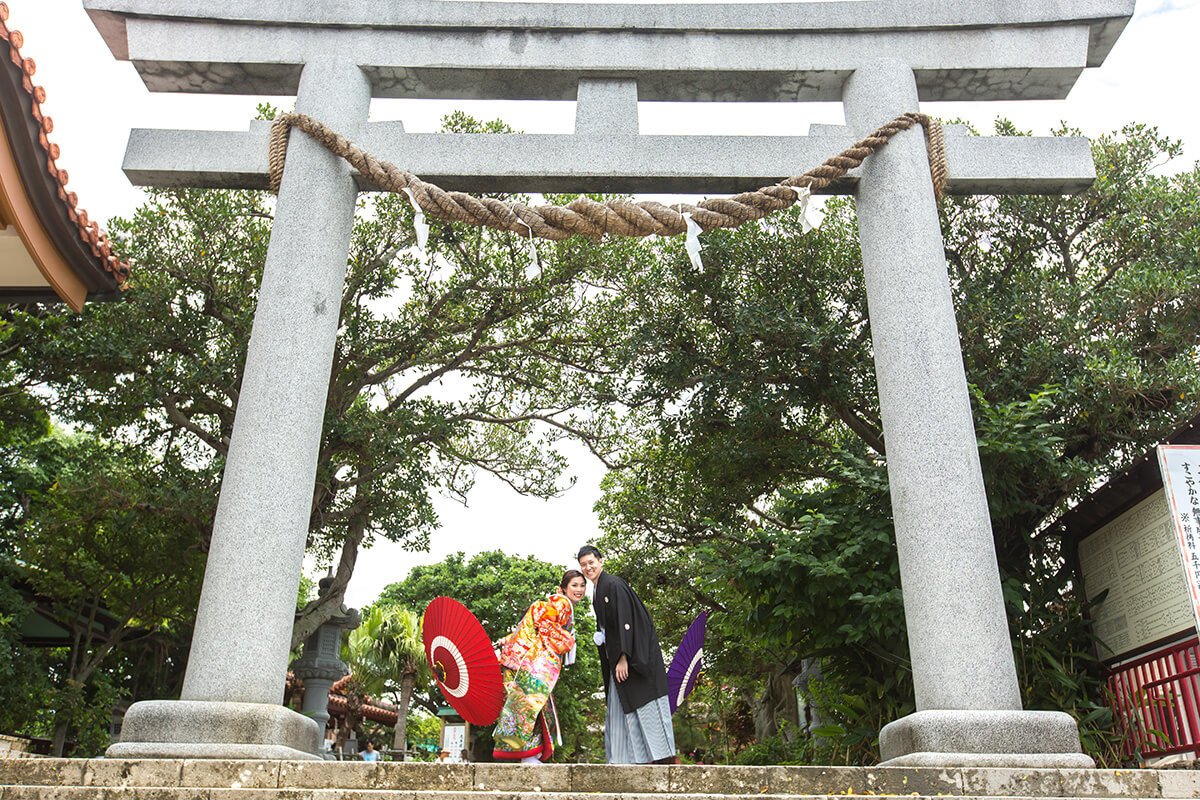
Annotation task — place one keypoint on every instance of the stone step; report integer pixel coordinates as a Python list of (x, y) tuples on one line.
[(183, 779), (159, 793)]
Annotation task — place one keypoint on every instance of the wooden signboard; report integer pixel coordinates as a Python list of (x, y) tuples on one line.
[(1136, 560)]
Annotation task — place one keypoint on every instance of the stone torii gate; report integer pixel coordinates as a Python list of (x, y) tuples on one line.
[(877, 57)]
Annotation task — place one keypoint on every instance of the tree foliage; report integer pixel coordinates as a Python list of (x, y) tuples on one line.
[(1077, 318), (117, 568), (475, 356)]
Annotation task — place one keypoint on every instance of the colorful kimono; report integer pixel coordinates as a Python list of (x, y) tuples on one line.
[(531, 663)]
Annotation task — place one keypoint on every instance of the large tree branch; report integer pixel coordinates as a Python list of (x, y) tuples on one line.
[(464, 355), (487, 465), (176, 415), (771, 518), (872, 436), (706, 599), (589, 439), (324, 607)]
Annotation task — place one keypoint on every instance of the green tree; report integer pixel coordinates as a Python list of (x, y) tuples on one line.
[(386, 654), (1078, 322), (23, 420), (407, 651), (117, 568), (42, 483), (367, 671), (24, 677), (423, 733), (25, 683), (472, 358)]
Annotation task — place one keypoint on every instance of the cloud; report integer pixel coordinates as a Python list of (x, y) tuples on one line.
[(1164, 7)]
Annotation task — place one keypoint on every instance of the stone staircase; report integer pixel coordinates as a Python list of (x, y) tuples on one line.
[(111, 779)]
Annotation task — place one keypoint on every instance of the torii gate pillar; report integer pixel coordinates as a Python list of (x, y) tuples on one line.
[(967, 697)]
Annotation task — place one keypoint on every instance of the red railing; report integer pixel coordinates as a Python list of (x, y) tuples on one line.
[(1157, 699)]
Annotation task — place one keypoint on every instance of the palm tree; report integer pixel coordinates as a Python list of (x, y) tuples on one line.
[(407, 653), (362, 655), (386, 654)]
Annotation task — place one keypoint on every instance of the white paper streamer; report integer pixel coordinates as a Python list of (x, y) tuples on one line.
[(810, 218), (419, 225), (535, 266), (692, 243)]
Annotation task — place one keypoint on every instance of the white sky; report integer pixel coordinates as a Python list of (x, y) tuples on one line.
[(94, 100)]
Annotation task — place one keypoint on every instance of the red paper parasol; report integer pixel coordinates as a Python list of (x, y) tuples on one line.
[(461, 656), (685, 666)]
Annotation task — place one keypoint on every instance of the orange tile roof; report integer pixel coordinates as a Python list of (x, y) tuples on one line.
[(89, 231), (373, 709)]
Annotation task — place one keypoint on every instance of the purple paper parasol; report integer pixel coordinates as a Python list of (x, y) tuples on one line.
[(685, 666)]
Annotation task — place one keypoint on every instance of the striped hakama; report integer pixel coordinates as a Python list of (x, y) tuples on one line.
[(643, 735)]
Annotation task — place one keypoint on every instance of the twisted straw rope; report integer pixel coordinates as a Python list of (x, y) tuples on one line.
[(586, 217)]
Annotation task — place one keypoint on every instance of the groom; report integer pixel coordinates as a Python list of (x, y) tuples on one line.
[(638, 728)]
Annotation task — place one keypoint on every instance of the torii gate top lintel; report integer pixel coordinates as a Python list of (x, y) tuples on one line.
[(607, 58), (795, 51)]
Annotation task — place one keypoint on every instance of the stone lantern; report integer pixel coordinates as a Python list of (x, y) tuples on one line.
[(319, 666)]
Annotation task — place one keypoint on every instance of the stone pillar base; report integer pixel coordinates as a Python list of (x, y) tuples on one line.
[(970, 738), (203, 729)]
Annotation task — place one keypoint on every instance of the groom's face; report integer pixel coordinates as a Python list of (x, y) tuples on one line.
[(591, 567)]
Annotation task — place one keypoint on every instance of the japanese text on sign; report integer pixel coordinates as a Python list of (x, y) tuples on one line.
[(1180, 465)]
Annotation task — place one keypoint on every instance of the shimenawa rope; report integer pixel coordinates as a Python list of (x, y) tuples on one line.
[(620, 217)]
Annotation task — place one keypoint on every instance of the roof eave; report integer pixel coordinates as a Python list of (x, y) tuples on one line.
[(69, 251)]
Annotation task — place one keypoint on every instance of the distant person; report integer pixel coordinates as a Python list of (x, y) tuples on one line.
[(533, 657), (369, 754), (637, 727)]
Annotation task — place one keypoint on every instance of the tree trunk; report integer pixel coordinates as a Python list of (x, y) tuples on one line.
[(59, 742), (354, 703), (68, 699), (323, 610), (810, 674), (776, 704), (407, 683)]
